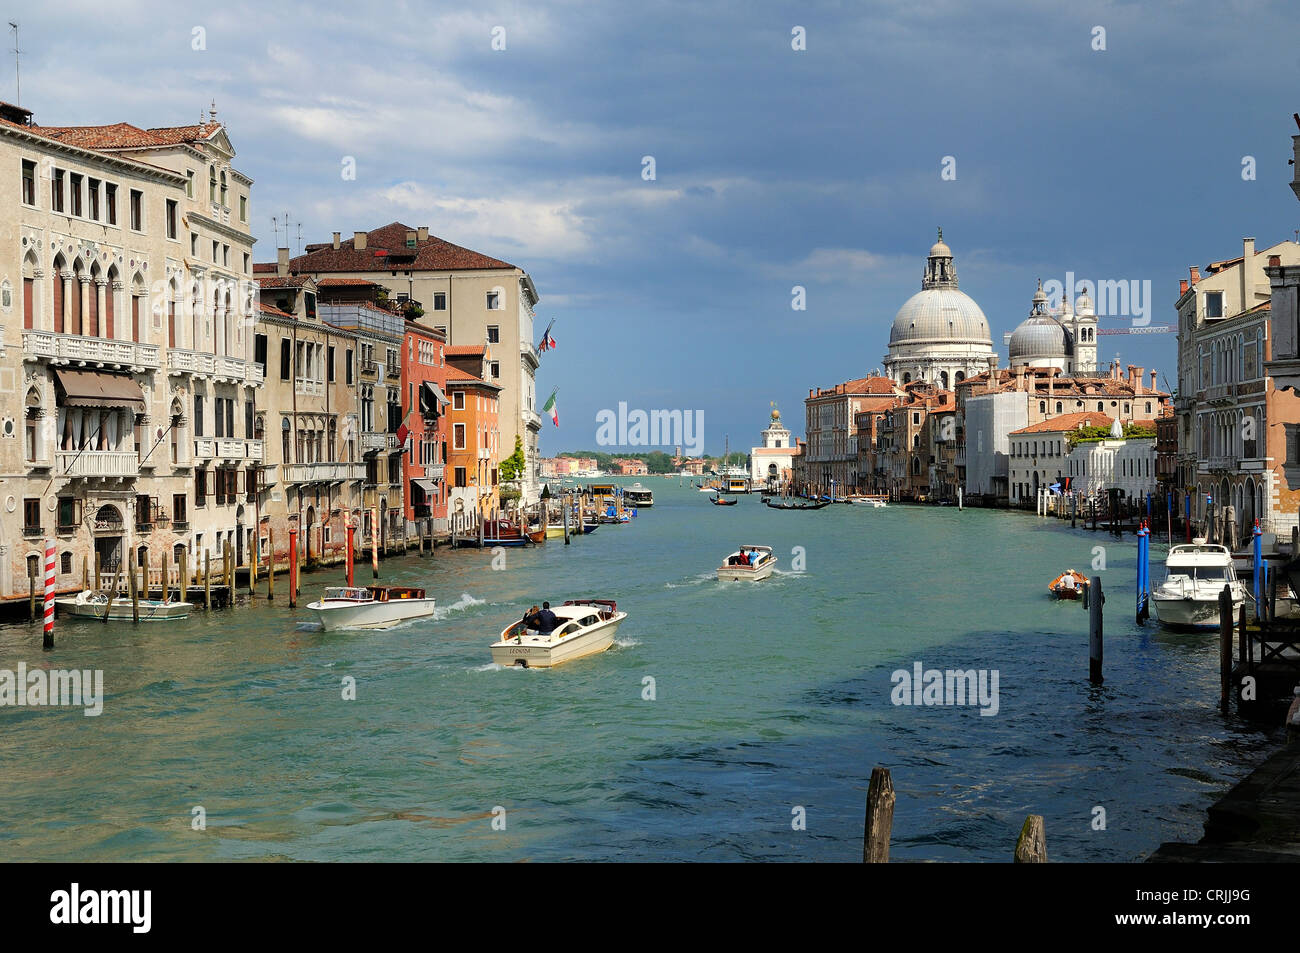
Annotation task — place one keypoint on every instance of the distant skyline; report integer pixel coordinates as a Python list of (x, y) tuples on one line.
[(774, 167)]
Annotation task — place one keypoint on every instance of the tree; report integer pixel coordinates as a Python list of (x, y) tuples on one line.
[(512, 467)]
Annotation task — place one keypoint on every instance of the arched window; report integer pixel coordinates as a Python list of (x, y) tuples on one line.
[(1058, 406), (212, 183), (1042, 406)]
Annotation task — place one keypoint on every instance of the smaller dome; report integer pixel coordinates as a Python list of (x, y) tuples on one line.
[(776, 416), (939, 249), (1083, 304), (1038, 336)]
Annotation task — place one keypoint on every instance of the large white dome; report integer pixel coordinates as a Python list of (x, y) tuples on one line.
[(941, 316)]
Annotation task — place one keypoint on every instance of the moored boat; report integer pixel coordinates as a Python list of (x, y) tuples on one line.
[(757, 562), (369, 607), (90, 604), (1195, 574), (583, 627), (798, 506), (1068, 585), (637, 495), (719, 501)]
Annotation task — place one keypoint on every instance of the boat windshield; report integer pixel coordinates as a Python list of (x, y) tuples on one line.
[(1208, 574), (355, 595)]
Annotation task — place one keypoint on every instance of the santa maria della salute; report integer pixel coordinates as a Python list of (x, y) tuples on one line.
[(941, 335)]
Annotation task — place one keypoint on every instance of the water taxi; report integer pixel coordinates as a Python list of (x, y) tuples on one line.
[(1195, 574), (758, 564), (369, 607), (637, 495), (584, 627), (95, 604)]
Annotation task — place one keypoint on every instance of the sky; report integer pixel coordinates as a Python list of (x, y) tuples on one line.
[(773, 167)]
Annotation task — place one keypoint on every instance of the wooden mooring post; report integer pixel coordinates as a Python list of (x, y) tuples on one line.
[(207, 579), (108, 606), (135, 598), (31, 589), (1225, 645), (85, 582), (1096, 598), (184, 557), (143, 589), (270, 565), (1031, 846), (293, 568), (252, 567), (880, 817), (99, 568), (165, 569)]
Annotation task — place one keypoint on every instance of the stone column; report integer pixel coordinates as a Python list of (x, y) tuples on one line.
[(66, 277), (115, 290), (38, 310), (101, 293), (83, 289)]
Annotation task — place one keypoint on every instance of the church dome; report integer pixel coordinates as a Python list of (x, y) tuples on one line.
[(940, 315), (1037, 336)]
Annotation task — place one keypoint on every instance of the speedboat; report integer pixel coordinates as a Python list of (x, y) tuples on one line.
[(760, 565), (637, 495), (96, 604), (584, 627), (874, 501), (370, 607), (1068, 585), (1195, 574)]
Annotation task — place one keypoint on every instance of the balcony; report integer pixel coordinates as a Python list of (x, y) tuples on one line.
[(220, 368), (529, 352), (322, 472), (532, 419), (255, 448), (368, 370), (97, 463), (372, 442), (434, 471), (1221, 393), (304, 387), (33, 532), (76, 349)]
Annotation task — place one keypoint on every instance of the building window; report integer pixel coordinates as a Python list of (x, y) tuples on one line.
[(189, 183), (494, 334), (329, 363), (29, 182), (458, 400), (243, 208), (439, 301), (110, 203), (74, 193), (92, 194), (1214, 304), (460, 477), (347, 366), (285, 363), (200, 487), (212, 183), (32, 515), (458, 436), (194, 245), (171, 218), (65, 562), (198, 415), (494, 301), (56, 191), (496, 369), (137, 210), (178, 509), (67, 513)]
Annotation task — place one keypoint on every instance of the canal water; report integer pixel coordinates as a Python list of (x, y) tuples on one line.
[(729, 722)]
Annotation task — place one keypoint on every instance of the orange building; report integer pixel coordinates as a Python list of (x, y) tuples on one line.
[(473, 448)]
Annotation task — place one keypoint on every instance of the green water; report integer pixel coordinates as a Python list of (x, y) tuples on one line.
[(771, 702)]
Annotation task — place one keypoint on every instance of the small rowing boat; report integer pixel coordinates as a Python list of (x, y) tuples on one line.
[(1068, 585)]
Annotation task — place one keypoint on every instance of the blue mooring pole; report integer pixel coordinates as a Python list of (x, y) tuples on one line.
[(1259, 566)]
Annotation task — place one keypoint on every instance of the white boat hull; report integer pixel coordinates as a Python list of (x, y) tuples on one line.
[(741, 573), (543, 651), (369, 615), (1190, 613), (151, 610)]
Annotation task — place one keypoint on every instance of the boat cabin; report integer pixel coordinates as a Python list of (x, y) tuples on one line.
[(371, 593)]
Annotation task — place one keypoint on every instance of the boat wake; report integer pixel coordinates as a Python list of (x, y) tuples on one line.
[(626, 643), (466, 601), (694, 581)]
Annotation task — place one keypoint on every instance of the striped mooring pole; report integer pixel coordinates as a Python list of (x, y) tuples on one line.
[(49, 594)]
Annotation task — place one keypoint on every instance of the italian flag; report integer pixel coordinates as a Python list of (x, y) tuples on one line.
[(550, 406)]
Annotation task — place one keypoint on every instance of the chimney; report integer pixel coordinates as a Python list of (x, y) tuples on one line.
[(1247, 271), (410, 238), (1182, 287), (1137, 383), (359, 241), (337, 240), (282, 261), (1153, 380), (423, 233), (1195, 273)]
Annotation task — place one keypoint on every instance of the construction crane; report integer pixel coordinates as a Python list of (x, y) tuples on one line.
[(1149, 329)]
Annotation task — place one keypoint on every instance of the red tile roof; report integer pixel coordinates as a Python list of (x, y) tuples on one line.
[(456, 376), (465, 350), (123, 135), (284, 281), (344, 282), (386, 250), (269, 309), (1067, 422)]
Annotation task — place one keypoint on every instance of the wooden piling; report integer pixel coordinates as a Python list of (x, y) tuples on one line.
[(1095, 636), (207, 579), (1242, 641), (99, 569), (1031, 846), (293, 568), (1272, 594), (1225, 645), (165, 569), (880, 817), (228, 571), (270, 565), (31, 590), (85, 583), (184, 574), (252, 567)]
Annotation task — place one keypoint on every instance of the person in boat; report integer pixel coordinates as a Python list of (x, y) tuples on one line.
[(529, 620), (742, 559), (546, 620), (1067, 581)]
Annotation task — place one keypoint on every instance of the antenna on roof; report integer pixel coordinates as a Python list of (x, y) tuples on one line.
[(300, 238), (18, 78)]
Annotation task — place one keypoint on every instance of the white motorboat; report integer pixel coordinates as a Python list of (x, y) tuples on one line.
[(874, 501), (89, 604), (758, 565), (584, 627), (637, 495), (1195, 574), (370, 607)]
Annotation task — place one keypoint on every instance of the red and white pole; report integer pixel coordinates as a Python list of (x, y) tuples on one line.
[(49, 594), (293, 568)]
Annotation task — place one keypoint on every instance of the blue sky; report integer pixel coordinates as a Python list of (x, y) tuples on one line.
[(774, 167)]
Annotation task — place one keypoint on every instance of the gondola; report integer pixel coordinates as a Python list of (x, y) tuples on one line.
[(719, 501), (798, 506)]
